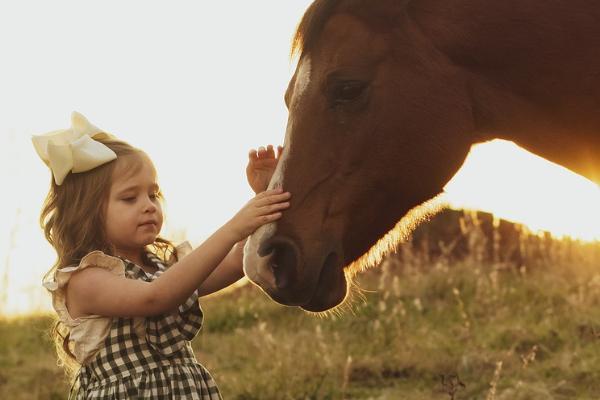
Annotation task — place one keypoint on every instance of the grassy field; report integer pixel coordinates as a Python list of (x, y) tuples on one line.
[(420, 328)]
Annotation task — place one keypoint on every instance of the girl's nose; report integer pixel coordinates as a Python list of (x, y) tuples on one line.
[(149, 205)]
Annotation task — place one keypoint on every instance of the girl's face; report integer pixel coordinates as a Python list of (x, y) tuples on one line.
[(133, 213)]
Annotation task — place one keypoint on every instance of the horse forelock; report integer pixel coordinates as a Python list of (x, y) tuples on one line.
[(320, 11), (312, 24)]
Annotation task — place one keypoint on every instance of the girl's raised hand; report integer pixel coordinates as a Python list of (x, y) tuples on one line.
[(264, 208), (261, 165)]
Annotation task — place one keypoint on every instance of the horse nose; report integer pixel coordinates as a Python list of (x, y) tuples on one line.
[(284, 260)]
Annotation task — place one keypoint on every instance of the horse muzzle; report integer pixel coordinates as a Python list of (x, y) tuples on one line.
[(279, 268)]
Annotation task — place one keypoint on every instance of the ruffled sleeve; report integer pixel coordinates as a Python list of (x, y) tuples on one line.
[(87, 333), (168, 333)]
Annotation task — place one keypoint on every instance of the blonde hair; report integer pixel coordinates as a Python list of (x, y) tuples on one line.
[(73, 220)]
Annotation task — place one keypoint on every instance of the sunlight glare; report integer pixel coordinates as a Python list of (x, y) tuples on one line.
[(504, 179)]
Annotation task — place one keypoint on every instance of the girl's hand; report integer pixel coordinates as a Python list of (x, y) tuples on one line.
[(261, 165), (266, 207)]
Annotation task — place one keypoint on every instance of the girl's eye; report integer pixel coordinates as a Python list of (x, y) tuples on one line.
[(129, 199)]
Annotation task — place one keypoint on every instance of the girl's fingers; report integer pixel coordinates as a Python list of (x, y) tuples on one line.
[(269, 192), (273, 207), (265, 152), (272, 199), (270, 152), (269, 218), (252, 155)]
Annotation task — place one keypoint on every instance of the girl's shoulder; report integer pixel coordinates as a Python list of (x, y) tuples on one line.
[(59, 280), (95, 258), (86, 332)]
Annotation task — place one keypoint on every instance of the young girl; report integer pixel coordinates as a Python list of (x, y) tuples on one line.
[(127, 299)]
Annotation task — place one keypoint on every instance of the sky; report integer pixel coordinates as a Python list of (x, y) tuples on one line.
[(195, 84)]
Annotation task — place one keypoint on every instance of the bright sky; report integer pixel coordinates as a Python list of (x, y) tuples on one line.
[(195, 84)]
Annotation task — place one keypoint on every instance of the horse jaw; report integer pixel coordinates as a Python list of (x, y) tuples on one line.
[(397, 235)]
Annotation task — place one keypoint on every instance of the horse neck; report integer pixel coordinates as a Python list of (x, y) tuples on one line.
[(569, 136), (532, 72)]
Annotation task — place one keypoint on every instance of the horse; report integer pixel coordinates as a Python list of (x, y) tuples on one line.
[(388, 97)]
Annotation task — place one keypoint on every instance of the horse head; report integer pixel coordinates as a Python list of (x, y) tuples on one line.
[(377, 124), (385, 103)]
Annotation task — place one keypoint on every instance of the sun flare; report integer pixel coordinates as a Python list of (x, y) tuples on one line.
[(502, 178)]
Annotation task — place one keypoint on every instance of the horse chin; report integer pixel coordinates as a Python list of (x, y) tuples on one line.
[(331, 288)]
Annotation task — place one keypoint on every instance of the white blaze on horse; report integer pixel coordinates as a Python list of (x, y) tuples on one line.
[(388, 98)]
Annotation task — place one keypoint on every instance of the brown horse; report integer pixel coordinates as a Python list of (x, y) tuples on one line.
[(386, 101)]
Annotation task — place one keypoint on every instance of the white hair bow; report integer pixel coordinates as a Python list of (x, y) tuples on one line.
[(74, 149)]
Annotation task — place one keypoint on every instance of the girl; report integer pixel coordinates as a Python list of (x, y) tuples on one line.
[(127, 299)]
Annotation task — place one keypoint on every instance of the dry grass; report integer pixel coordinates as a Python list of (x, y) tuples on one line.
[(430, 326)]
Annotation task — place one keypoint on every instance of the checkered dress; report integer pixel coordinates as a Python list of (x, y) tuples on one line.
[(155, 361)]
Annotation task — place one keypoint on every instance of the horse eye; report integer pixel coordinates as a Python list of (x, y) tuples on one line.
[(346, 92)]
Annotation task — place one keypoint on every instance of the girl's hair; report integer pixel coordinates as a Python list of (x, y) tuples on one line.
[(73, 217)]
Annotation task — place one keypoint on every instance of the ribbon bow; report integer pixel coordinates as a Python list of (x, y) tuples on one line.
[(73, 150)]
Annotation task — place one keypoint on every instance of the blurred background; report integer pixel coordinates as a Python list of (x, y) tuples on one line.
[(196, 84)]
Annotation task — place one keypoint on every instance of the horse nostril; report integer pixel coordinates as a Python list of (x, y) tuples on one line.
[(265, 249), (284, 262)]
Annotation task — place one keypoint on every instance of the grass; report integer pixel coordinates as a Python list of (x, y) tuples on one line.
[(433, 335), (424, 328)]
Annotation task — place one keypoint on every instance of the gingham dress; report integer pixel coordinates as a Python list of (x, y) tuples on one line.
[(160, 365)]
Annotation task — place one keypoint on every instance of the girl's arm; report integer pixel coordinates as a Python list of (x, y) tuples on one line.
[(96, 291), (227, 272), (260, 168)]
